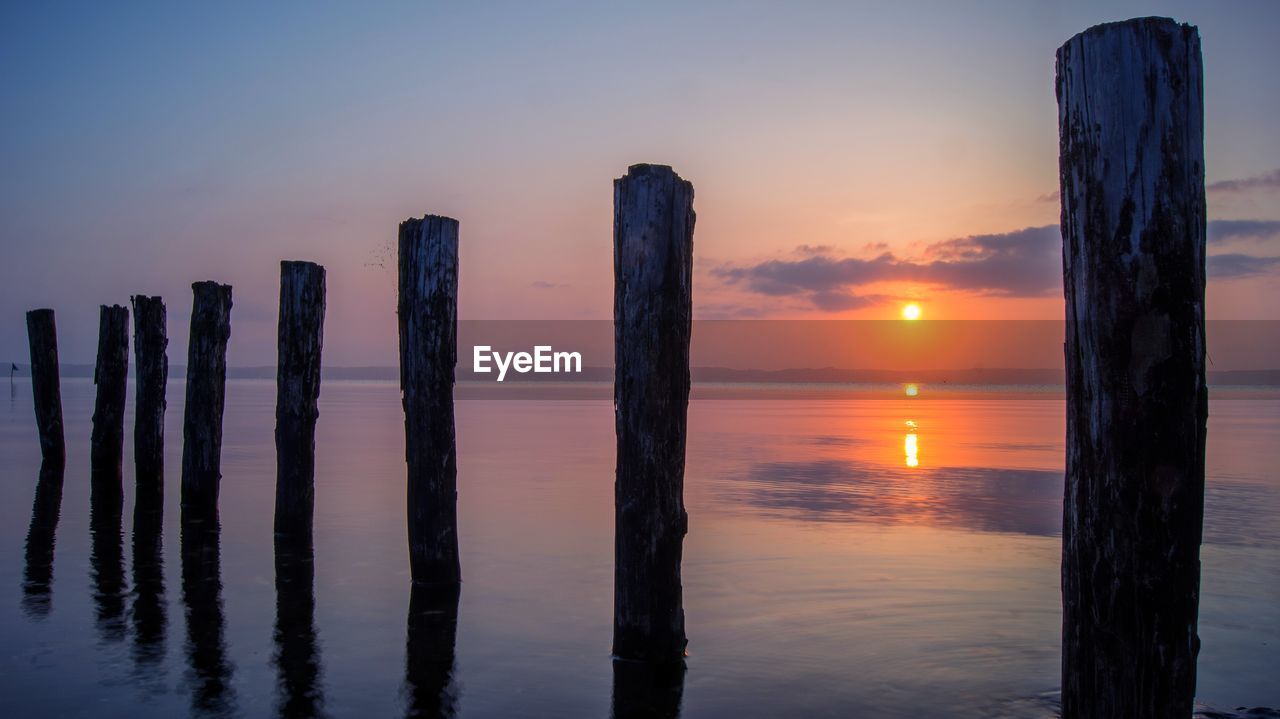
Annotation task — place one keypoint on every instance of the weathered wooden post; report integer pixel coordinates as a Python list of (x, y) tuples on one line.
[(106, 451), (1130, 111), (111, 375), (45, 389), (206, 393), (301, 334), (652, 310), (150, 344), (151, 359), (428, 309), (106, 504)]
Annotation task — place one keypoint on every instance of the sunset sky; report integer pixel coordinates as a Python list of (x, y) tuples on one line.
[(845, 159)]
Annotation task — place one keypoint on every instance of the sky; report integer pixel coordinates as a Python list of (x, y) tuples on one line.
[(846, 158)]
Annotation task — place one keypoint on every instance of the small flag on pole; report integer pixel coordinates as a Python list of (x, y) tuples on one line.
[(12, 368)]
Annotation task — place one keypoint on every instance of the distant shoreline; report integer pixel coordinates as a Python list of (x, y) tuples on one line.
[(936, 379)]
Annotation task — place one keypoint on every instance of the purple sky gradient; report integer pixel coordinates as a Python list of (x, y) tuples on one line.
[(151, 146)]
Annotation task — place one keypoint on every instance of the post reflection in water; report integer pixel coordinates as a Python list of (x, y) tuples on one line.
[(37, 576), (297, 655), (642, 690), (429, 688), (208, 668), (106, 554), (150, 618)]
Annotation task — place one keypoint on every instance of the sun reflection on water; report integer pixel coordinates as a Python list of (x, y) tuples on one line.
[(911, 445)]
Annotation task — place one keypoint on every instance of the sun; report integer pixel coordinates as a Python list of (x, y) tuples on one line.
[(911, 311)]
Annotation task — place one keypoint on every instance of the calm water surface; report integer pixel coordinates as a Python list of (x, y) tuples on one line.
[(890, 558)]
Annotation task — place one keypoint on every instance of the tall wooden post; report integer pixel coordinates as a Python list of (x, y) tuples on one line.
[(151, 361), (652, 311), (111, 375), (45, 389), (428, 309), (150, 352), (106, 451), (206, 393), (1130, 111), (301, 334)]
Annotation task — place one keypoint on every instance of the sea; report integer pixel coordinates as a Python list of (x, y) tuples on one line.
[(852, 552)]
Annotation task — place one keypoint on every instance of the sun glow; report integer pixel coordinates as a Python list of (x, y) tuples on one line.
[(911, 312)]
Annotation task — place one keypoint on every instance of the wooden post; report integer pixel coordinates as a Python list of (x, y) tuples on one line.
[(111, 375), (150, 343), (151, 359), (106, 451), (652, 268), (206, 392), (37, 574), (1130, 111), (45, 389), (301, 334), (428, 309)]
